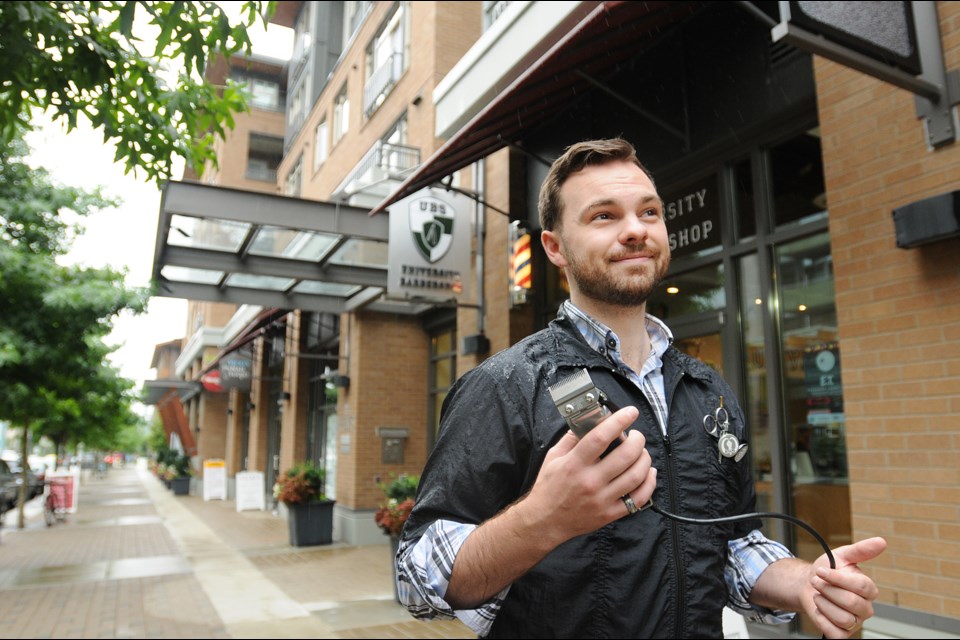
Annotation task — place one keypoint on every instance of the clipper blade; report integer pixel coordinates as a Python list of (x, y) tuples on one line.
[(571, 386), (579, 402)]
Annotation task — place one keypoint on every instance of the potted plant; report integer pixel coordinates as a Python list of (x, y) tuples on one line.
[(393, 513), (181, 472), (400, 494), (165, 470), (309, 510)]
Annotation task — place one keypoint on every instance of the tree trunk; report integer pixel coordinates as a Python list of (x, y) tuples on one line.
[(22, 494)]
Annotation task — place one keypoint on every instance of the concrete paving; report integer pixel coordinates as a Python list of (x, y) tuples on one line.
[(136, 561)]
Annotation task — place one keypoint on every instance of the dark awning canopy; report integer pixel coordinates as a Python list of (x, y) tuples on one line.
[(578, 62), (227, 245)]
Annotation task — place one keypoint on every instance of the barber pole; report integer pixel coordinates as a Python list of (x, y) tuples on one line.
[(520, 267)]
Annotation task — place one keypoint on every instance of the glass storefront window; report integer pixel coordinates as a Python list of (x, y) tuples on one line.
[(322, 418), (754, 400), (707, 348), (813, 397), (689, 293), (443, 373), (743, 193), (799, 194)]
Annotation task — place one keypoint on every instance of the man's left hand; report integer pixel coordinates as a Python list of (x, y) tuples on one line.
[(842, 598)]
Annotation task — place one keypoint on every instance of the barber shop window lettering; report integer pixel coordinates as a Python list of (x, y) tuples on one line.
[(692, 215)]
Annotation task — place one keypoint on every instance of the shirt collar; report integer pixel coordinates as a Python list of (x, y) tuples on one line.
[(603, 339)]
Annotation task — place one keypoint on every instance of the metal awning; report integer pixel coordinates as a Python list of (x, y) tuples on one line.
[(575, 64), (228, 245), (154, 390)]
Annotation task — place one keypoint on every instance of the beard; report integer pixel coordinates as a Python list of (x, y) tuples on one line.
[(601, 282)]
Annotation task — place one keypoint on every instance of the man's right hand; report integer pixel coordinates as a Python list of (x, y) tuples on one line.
[(578, 491)]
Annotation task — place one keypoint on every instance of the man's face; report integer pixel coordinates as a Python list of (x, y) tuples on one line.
[(611, 238)]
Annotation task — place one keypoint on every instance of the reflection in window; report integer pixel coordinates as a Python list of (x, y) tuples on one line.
[(291, 186), (265, 94), (707, 348), (813, 396), (799, 194), (443, 373), (341, 115), (386, 58), (689, 293), (320, 145), (250, 281), (264, 154), (206, 233), (743, 192), (188, 274), (322, 410), (754, 402), (354, 11), (362, 253), (289, 243)]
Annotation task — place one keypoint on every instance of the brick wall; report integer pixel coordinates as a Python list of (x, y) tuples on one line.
[(387, 357), (899, 317)]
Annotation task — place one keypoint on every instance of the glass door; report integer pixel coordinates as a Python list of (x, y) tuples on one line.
[(812, 395), (707, 347)]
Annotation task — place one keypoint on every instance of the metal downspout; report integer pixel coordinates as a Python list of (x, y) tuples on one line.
[(480, 213)]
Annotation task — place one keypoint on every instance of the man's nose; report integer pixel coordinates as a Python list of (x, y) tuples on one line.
[(632, 230)]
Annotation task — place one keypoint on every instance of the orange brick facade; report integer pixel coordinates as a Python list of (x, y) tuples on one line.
[(899, 319)]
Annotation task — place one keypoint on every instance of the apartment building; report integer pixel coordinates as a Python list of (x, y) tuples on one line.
[(811, 202)]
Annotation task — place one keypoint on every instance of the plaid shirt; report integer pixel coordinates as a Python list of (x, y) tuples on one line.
[(425, 565)]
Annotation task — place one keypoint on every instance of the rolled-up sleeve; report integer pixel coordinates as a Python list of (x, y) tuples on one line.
[(748, 557), (424, 567)]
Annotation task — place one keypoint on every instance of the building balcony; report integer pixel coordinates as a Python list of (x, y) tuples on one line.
[(380, 170)]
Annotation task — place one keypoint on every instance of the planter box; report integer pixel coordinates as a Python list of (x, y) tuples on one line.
[(310, 523), (180, 486), (394, 547)]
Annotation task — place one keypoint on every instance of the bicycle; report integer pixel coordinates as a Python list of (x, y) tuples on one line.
[(55, 504)]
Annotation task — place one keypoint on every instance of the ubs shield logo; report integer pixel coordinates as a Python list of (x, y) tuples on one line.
[(431, 223)]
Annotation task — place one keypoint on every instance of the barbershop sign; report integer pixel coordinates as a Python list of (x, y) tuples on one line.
[(429, 248), (235, 371), (692, 214)]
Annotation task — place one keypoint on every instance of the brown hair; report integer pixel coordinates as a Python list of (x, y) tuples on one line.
[(574, 158)]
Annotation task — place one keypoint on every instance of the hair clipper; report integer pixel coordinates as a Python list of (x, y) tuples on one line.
[(582, 404)]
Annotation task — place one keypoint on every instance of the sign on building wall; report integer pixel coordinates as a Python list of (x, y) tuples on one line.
[(692, 215), (429, 254), (235, 371)]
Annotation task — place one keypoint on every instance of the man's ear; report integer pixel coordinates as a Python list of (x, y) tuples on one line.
[(553, 248)]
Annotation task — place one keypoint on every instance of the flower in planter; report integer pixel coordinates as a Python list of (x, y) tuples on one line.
[(302, 483), (400, 494), (392, 517), (181, 466)]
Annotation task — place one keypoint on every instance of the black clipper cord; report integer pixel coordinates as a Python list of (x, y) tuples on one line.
[(605, 401)]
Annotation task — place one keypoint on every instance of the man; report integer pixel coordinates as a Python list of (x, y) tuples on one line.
[(522, 529)]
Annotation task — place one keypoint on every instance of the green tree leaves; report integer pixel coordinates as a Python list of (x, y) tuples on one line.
[(146, 92)]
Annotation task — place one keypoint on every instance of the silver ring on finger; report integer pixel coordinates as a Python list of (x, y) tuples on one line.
[(629, 504), (856, 621)]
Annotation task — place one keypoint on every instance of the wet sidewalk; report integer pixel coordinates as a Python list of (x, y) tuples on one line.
[(135, 561)]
